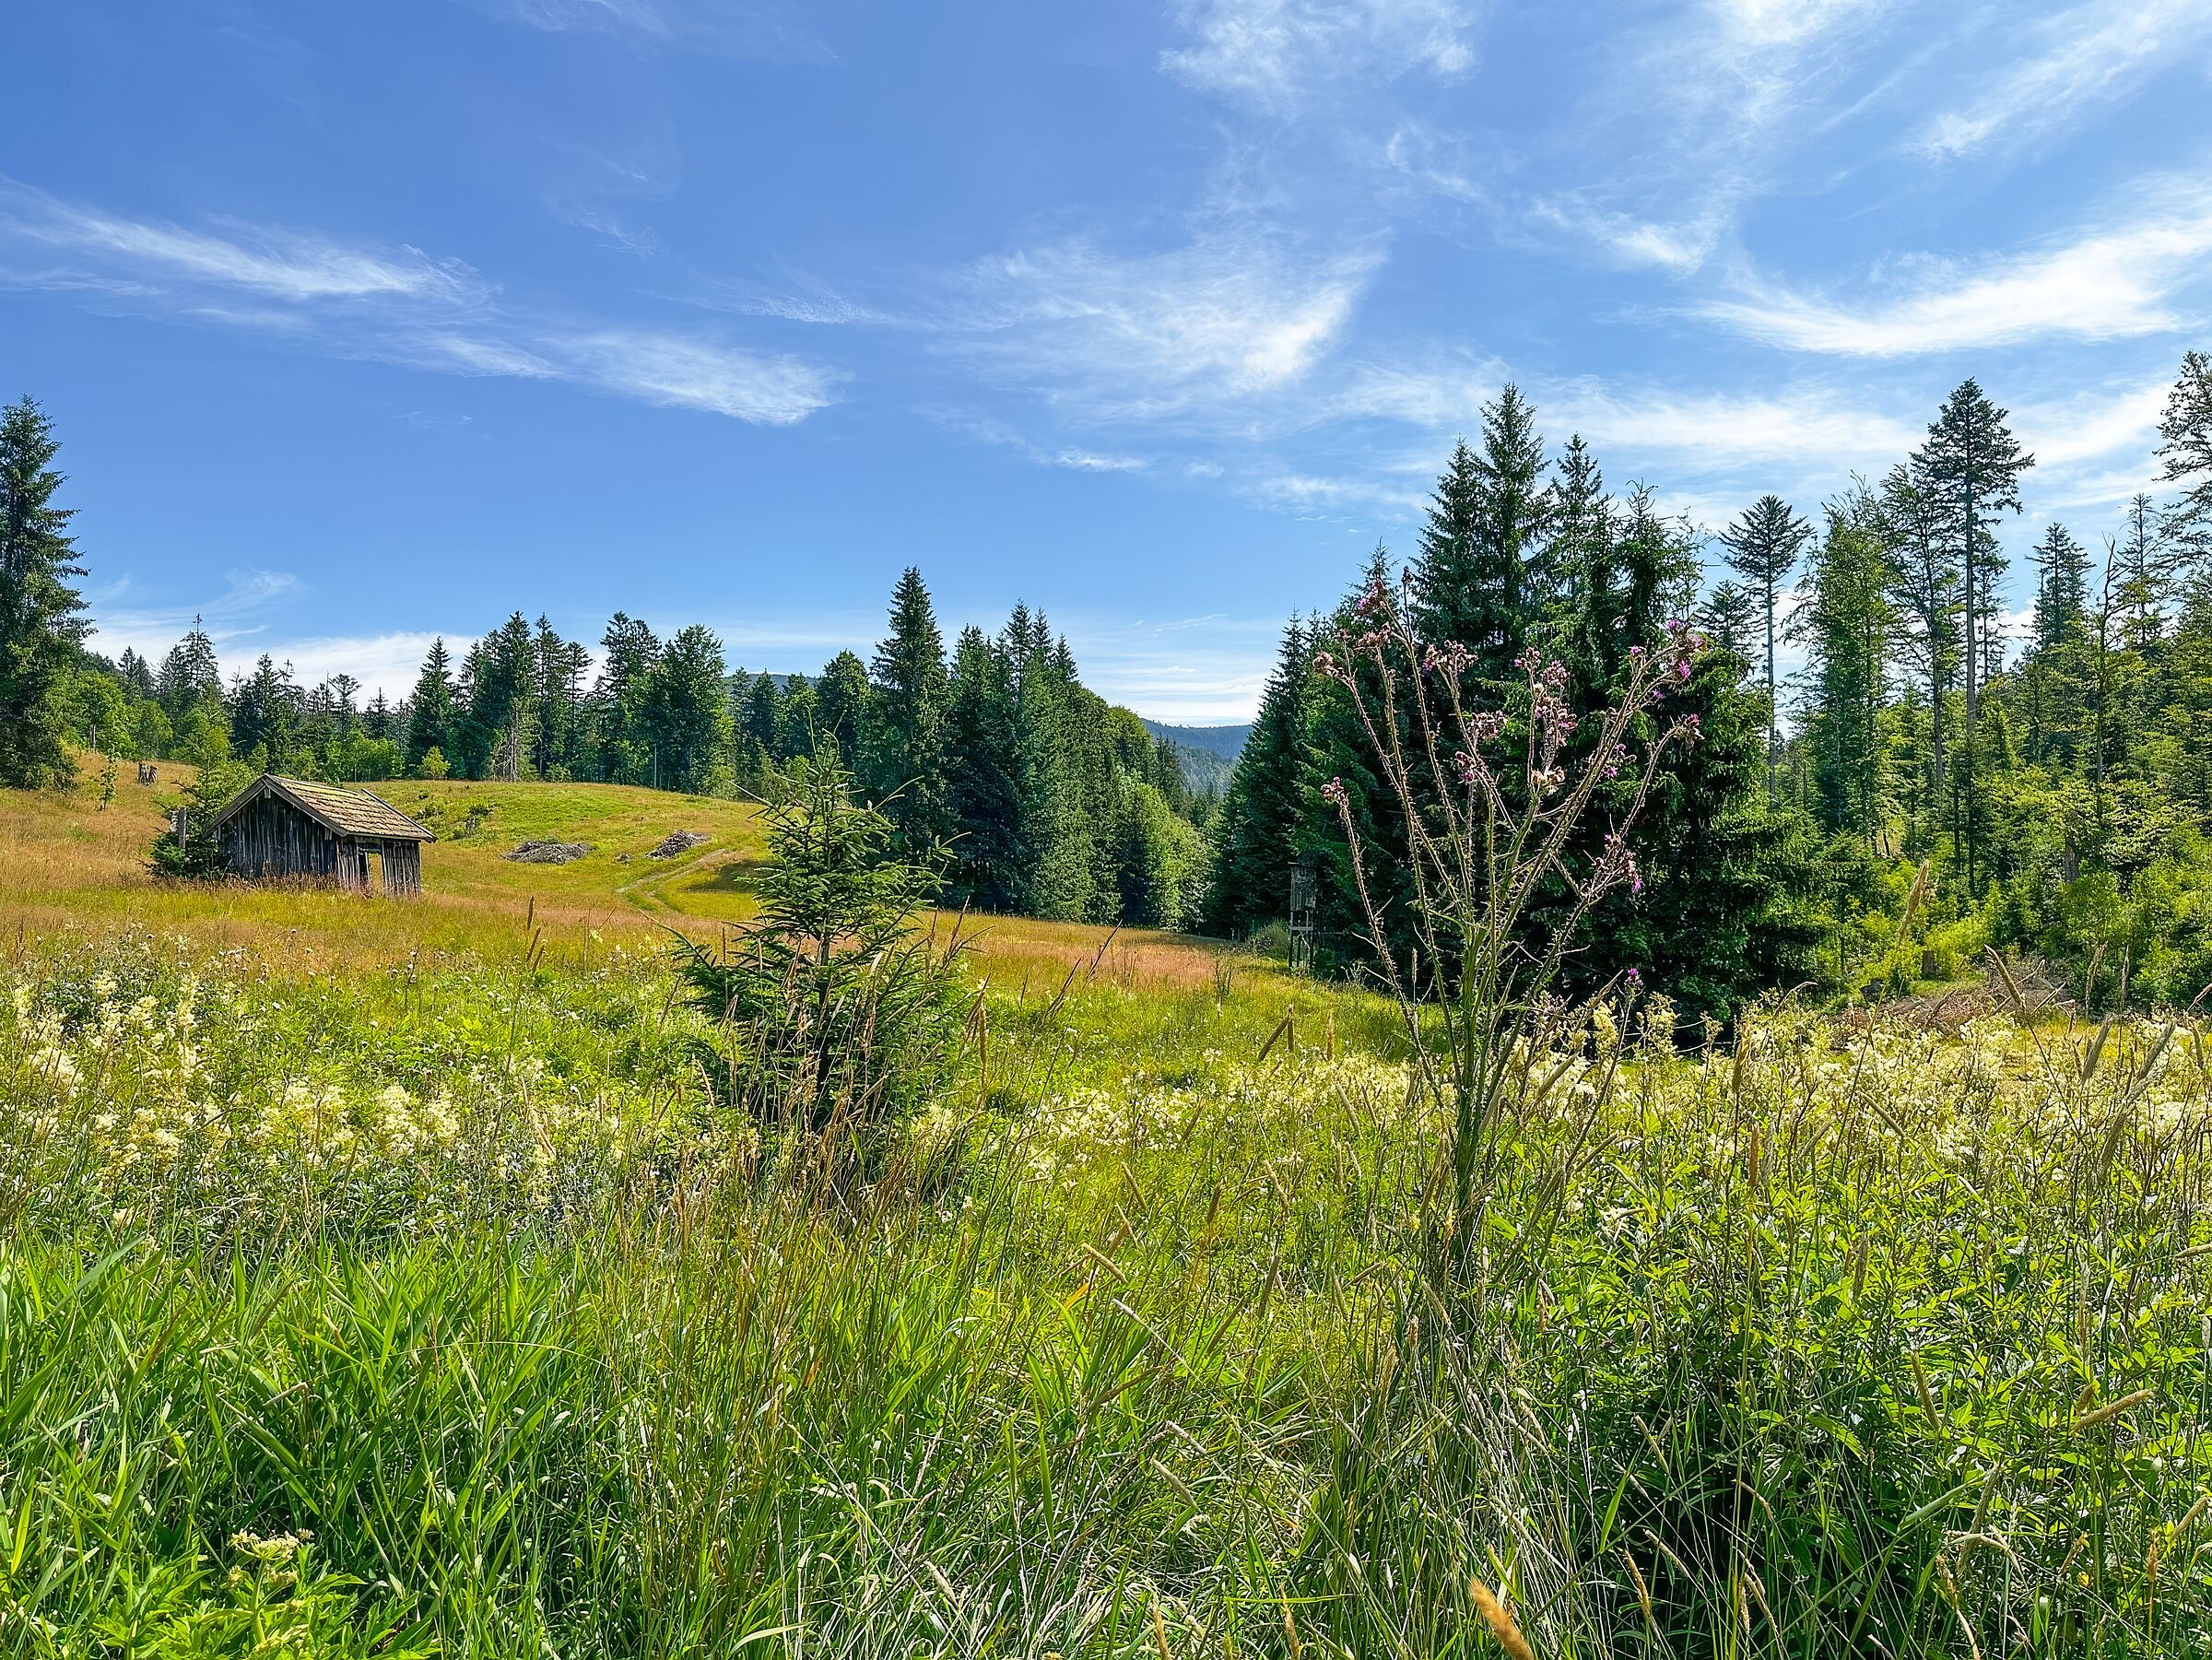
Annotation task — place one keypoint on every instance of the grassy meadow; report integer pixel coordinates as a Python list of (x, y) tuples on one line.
[(380, 1278)]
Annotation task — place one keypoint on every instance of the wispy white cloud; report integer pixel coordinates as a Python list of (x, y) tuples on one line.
[(687, 372), (1222, 319), (2112, 281), (1800, 428), (797, 298), (1317, 495), (1676, 246), (1072, 458), (1441, 397), (1189, 670), (1275, 54), (397, 306), (237, 620), (640, 240), (1697, 112), (280, 264), (2083, 62)]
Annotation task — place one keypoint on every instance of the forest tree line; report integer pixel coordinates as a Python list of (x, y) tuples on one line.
[(2055, 781), (1047, 799)]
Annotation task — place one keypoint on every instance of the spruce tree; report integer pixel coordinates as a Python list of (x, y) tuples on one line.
[(1484, 574), (190, 681), (1844, 626), (40, 631), (1929, 602), (2185, 452), (563, 735), (688, 714), (983, 793), (1059, 875), (800, 724), (841, 702), (1972, 466), (497, 727), (904, 751), (628, 653), (1580, 541), (1722, 914), (1263, 824), (430, 709), (1763, 546), (2062, 584), (1729, 618), (1341, 753), (762, 729), (266, 712)]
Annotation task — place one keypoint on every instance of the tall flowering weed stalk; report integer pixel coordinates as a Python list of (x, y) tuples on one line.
[(1494, 804)]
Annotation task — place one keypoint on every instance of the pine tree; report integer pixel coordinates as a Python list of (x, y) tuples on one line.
[(629, 652), (2185, 452), (1763, 546), (688, 714), (983, 792), (1729, 618), (1265, 825), (1582, 530), (762, 732), (190, 680), (1929, 603), (431, 708), (1972, 466), (841, 698), (904, 749), (2062, 584), (1484, 575), (40, 632), (1844, 626)]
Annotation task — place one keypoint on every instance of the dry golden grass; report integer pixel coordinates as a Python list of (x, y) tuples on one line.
[(68, 865), (1024, 951)]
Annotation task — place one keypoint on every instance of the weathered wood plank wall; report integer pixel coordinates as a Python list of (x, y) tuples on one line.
[(269, 839)]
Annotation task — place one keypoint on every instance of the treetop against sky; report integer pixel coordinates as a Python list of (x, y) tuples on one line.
[(369, 324)]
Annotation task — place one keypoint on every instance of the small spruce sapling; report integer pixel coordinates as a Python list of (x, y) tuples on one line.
[(839, 1015)]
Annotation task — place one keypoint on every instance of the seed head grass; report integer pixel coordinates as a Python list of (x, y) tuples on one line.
[(419, 1299)]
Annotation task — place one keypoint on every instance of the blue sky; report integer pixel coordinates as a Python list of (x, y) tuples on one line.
[(365, 323)]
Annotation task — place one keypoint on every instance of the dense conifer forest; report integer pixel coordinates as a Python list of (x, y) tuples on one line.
[(1868, 710)]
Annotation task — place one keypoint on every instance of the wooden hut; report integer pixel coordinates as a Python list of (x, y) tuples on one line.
[(319, 832)]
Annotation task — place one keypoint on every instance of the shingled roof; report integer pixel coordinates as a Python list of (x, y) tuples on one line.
[(341, 811)]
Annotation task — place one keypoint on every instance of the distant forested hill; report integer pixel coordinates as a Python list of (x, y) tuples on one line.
[(1226, 742), (1206, 755)]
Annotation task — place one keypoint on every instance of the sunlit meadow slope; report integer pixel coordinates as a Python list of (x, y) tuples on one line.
[(426, 1303), (69, 864)]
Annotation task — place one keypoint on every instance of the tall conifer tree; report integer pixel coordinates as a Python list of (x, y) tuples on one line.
[(1264, 824), (41, 629), (1972, 466), (906, 761), (1763, 548)]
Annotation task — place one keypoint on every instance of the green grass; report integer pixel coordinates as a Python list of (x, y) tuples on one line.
[(373, 1283)]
